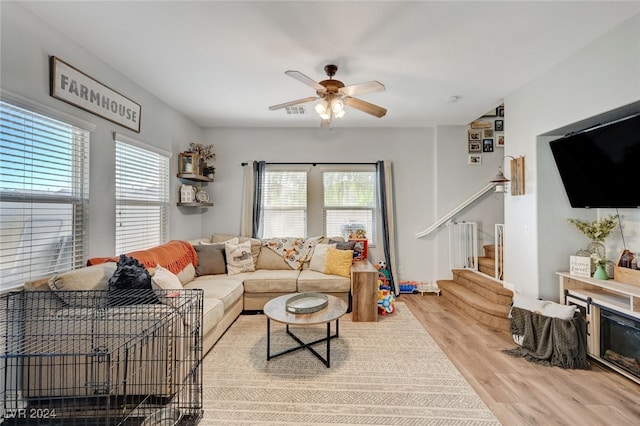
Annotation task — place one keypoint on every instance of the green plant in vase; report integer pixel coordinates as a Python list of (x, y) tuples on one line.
[(597, 230)]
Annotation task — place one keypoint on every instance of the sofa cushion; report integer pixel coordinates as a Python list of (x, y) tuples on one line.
[(269, 259), (239, 258), (338, 262), (167, 285), (212, 313), (313, 281), (83, 279), (319, 257), (211, 259), (187, 274), (270, 281), (256, 245), (227, 290)]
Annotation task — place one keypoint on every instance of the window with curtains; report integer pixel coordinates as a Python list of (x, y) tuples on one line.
[(349, 203), (284, 204), (142, 195), (44, 195)]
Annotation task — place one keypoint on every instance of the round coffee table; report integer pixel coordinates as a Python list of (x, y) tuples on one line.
[(275, 309)]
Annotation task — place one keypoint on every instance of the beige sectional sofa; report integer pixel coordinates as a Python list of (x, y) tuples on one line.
[(225, 295)]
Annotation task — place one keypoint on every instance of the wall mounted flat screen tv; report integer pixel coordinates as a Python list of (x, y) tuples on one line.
[(600, 166)]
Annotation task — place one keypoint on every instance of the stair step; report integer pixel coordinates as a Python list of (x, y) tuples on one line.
[(490, 251), (487, 265), (486, 287), (481, 309)]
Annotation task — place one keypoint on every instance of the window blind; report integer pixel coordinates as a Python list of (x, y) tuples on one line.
[(350, 203), (142, 196), (285, 204), (44, 195)]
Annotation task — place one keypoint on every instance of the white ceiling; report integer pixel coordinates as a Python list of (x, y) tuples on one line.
[(223, 63)]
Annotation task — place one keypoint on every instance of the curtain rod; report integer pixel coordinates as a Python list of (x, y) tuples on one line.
[(315, 164)]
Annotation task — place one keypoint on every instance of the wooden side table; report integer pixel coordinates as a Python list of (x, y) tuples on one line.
[(364, 291)]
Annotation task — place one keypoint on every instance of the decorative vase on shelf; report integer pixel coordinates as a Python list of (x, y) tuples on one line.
[(601, 273)]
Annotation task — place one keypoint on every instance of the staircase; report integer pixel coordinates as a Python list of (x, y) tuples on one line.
[(478, 294)]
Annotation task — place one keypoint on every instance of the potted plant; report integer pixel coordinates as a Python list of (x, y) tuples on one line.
[(597, 230), (209, 171)]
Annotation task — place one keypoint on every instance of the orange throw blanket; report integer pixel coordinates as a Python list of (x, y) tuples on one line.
[(174, 256)]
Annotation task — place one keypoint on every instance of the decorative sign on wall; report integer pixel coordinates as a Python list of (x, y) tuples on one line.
[(76, 88)]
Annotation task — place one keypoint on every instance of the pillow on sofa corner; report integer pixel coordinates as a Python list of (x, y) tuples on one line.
[(166, 285), (239, 258), (211, 259), (319, 257), (338, 262), (67, 285)]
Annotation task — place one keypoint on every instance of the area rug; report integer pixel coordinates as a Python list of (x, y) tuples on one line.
[(389, 372)]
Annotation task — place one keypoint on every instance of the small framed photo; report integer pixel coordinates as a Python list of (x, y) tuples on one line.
[(188, 163), (475, 160), (487, 133), (500, 141), (487, 145), (500, 111), (498, 125), (475, 147), (475, 135)]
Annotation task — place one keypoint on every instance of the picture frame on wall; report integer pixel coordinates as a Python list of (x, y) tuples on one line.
[(475, 146), (500, 141), (487, 145), (475, 135), (500, 111), (475, 160), (498, 125), (487, 133)]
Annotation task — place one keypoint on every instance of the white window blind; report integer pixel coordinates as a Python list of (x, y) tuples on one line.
[(44, 195), (142, 196), (350, 203), (285, 204)]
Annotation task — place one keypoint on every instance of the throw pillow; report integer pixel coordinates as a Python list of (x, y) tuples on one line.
[(167, 285), (130, 274), (78, 287), (211, 259), (338, 262), (239, 258), (343, 245), (319, 257)]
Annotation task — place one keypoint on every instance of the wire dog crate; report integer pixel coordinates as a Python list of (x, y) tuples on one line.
[(125, 357)]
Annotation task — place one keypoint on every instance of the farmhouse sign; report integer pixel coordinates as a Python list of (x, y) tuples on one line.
[(73, 86)]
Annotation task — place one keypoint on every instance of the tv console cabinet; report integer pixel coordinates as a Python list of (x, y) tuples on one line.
[(591, 295)]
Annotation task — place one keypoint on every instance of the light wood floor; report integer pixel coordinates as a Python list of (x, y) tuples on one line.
[(520, 392)]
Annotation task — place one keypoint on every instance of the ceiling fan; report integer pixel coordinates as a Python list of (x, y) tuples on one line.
[(335, 95)]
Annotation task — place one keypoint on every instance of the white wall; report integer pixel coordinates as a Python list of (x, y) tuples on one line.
[(603, 76), (419, 162), (27, 43)]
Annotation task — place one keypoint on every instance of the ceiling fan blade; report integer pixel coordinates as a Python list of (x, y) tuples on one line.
[(363, 106), (304, 79), (291, 103), (358, 89)]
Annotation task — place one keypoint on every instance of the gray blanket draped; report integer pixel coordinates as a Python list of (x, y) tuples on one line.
[(550, 341)]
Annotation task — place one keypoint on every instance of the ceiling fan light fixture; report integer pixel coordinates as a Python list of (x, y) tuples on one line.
[(321, 108), (337, 106)]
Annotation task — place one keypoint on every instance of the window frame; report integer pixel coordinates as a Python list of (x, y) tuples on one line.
[(144, 238), (48, 249)]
